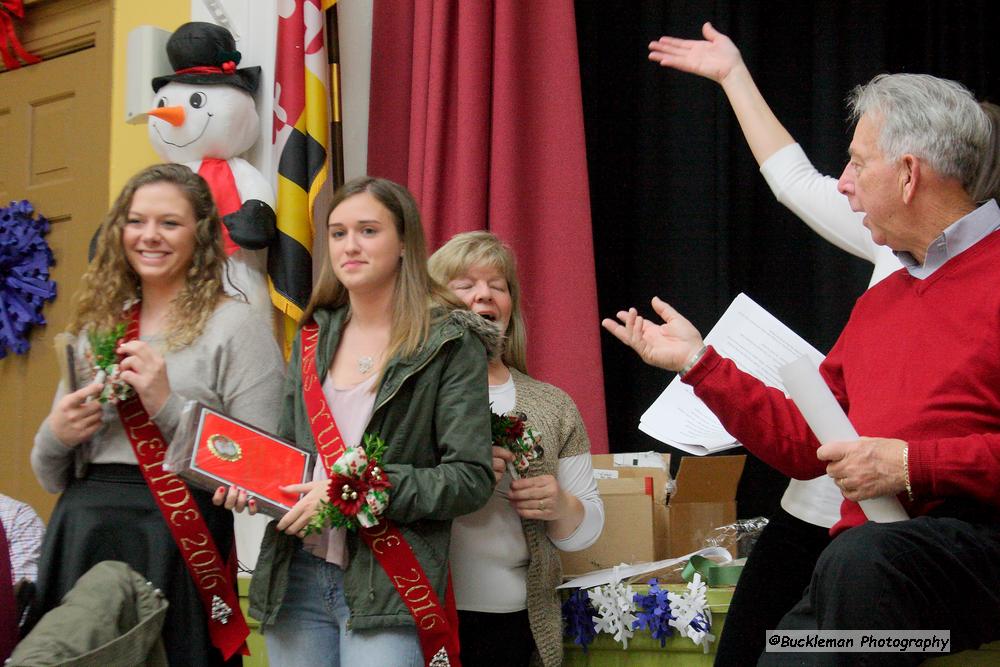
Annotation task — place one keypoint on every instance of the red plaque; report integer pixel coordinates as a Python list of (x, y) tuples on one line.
[(228, 452)]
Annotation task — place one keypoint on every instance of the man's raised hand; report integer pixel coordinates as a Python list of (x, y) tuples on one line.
[(669, 345)]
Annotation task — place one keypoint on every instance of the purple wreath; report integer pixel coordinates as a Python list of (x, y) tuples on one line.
[(25, 259)]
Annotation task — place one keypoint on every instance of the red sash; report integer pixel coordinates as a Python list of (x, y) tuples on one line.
[(212, 577), (222, 183), (437, 626)]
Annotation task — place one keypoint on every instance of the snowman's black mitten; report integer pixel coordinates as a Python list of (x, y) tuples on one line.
[(254, 226)]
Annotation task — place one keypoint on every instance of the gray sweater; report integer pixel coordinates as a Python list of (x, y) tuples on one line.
[(235, 367)]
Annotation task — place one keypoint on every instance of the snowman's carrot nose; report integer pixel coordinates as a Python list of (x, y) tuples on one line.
[(173, 115)]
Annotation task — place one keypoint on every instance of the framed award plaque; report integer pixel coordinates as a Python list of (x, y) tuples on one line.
[(225, 451)]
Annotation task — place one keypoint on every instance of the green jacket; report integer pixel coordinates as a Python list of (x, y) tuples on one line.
[(112, 617), (432, 410)]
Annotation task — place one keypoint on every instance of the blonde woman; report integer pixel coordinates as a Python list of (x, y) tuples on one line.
[(387, 352), (159, 268), (504, 557)]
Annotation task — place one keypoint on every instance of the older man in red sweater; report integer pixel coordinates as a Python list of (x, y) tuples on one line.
[(917, 368)]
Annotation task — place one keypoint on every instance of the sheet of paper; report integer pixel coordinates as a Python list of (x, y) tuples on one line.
[(640, 460), (759, 344), (623, 571)]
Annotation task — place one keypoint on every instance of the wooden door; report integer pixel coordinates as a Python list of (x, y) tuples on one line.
[(55, 137)]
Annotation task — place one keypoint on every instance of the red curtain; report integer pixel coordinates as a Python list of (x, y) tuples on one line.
[(476, 107)]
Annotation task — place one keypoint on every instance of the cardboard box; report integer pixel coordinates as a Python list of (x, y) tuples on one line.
[(626, 500), (644, 522), (705, 499)]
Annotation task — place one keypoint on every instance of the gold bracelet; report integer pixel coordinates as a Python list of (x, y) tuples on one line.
[(906, 472)]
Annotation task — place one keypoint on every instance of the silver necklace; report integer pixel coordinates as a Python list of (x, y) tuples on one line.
[(365, 364)]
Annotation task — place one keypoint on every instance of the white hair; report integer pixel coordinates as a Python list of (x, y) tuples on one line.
[(936, 120)]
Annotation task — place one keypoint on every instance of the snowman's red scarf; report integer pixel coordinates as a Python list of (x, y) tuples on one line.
[(212, 577), (227, 196), (437, 624)]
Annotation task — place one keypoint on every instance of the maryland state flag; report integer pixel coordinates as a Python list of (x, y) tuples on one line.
[(300, 139)]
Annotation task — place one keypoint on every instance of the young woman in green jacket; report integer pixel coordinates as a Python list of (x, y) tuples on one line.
[(396, 356)]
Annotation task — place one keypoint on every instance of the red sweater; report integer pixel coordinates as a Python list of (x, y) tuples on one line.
[(919, 360)]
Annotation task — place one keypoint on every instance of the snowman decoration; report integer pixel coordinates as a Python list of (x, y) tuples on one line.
[(204, 117)]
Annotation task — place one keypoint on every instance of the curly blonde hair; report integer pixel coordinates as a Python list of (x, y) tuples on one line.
[(110, 282), (415, 291)]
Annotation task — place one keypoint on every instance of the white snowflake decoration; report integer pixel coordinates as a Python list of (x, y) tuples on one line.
[(686, 607), (614, 610)]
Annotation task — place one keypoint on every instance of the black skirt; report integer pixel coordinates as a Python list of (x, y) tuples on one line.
[(111, 515)]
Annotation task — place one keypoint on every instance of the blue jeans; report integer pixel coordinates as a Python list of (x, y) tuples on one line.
[(311, 628)]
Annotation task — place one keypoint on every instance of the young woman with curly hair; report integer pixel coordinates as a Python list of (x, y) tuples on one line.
[(158, 267)]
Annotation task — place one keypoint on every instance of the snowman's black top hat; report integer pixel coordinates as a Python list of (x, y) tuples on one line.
[(206, 53)]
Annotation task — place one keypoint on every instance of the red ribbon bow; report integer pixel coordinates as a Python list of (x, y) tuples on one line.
[(10, 45), (229, 67)]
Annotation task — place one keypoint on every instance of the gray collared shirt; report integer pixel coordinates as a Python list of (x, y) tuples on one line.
[(958, 237)]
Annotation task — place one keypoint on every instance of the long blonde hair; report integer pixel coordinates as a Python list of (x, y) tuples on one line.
[(415, 291), (461, 253), (987, 185), (110, 281)]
